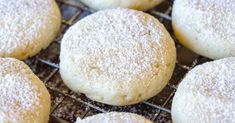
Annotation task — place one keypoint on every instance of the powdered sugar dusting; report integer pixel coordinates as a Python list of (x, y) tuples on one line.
[(216, 16), (215, 79), (212, 87), (22, 23), (19, 96), (114, 117), (117, 44)]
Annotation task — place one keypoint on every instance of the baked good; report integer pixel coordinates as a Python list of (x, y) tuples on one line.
[(114, 117), (206, 26), (117, 56), (206, 94), (132, 4), (27, 26), (23, 97)]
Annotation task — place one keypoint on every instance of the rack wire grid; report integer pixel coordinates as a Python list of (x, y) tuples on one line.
[(67, 105)]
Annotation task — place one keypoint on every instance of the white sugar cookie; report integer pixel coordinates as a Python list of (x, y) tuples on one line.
[(27, 26), (206, 26), (23, 97), (206, 94), (114, 117), (132, 4), (117, 56)]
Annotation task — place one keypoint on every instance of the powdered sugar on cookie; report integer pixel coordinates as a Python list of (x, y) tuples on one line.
[(20, 92), (122, 49), (24, 24), (114, 117), (207, 94)]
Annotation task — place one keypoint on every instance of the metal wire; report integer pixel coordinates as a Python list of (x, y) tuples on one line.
[(66, 105)]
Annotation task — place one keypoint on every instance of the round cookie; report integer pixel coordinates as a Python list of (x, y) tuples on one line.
[(27, 26), (117, 56), (114, 117), (209, 31), (23, 97), (206, 94), (132, 4)]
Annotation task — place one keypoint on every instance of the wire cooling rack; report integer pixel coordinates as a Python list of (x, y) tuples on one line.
[(67, 106)]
